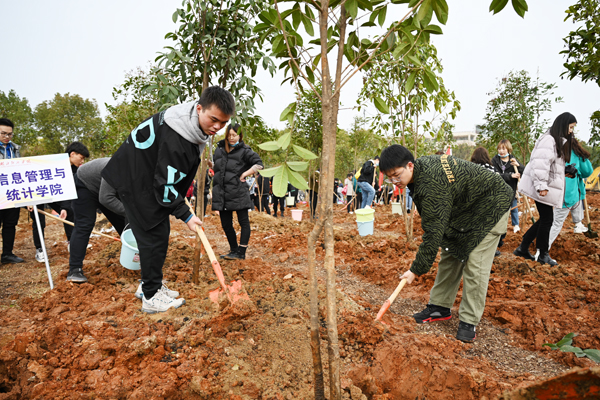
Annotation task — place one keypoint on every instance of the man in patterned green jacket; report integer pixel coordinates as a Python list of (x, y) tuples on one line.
[(464, 210)]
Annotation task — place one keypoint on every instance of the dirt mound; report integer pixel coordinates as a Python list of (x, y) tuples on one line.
[(92, 341)]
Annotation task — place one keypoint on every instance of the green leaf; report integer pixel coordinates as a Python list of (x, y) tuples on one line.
[(381, 105), (352, 8), (298, 165), (381, 16), (175, 15), (567, 340), (410, 82), (284, 140), (269, 146), (440, 7), (551, 345), (269, 172), (280, 181), (291, 108), (305, 154), (571, 349), (308, 26), (430, 76), (424, 9), (436, 30), (592, 354), (297, 180), (520, 7), (498, 5)]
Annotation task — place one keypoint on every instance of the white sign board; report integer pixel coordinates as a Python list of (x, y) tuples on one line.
[(29, 181)]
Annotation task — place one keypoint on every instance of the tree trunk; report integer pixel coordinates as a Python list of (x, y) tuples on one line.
[(315, 336), (330, 108)]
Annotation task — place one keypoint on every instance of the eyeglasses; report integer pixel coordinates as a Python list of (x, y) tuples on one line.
[(393, 181), (7, 134)]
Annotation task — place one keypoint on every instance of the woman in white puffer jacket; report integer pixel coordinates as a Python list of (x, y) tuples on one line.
[(544, 181)]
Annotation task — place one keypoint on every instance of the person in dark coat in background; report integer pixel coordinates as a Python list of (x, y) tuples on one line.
[(262, 187), (233, 162), (278, 202), (313, 192), (505, 162)]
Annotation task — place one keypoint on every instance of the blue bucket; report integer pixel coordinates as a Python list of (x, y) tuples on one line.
[(365, 228), (130, 256)]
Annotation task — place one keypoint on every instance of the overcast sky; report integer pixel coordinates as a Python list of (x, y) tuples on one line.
[(85, 48)]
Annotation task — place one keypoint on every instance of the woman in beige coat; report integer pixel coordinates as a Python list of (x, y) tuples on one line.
[(544, 181)]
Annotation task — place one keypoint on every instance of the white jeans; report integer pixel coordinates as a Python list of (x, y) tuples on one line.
[(560, 214)]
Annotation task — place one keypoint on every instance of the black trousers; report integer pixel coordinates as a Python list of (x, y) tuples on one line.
[(84, 208), (227, 225), (9, 218), (263, 204), (152, 246), (56, 207), (313, 200), (351, 206), (278, 201), (540, 230)]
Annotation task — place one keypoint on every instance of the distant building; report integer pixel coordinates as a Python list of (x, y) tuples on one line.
[(467, 137)]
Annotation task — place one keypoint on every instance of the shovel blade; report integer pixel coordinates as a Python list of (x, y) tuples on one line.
[(386, 305), (235, 292)]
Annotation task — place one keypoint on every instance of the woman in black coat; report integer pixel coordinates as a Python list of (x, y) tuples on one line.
[(233, 162)]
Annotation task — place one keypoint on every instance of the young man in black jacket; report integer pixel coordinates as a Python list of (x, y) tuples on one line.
[(152, 172), (366, 181)]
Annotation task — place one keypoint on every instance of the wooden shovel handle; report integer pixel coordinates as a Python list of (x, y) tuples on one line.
[(64, 221)]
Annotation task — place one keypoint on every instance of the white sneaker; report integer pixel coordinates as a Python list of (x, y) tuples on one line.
[(171, 293), (351, 212), (160, 302), (537, 254), (516, 228), (580, 228), (39, 255)]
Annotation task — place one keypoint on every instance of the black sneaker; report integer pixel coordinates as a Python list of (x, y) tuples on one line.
[(466, 332), (76, 276), (523, 253), (497, 253), (11, 259), (229, 255), (432, 313)]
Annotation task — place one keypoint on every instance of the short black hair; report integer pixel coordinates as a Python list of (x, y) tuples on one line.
[(79, 148), (395, 156), (376, 158), (216, 95), (7, 122)]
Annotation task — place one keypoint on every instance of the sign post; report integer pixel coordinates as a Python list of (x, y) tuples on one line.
[(30, 181)]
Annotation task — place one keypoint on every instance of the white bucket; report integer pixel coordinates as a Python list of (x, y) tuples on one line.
[(297, 215), (396, 208), (289, 201), (365, 228), (130, 256)]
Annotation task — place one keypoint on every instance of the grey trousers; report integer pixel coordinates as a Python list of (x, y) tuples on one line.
[(560, 215), (475, 273)]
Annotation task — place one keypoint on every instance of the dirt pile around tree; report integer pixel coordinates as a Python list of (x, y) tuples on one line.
[(92, 341)]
